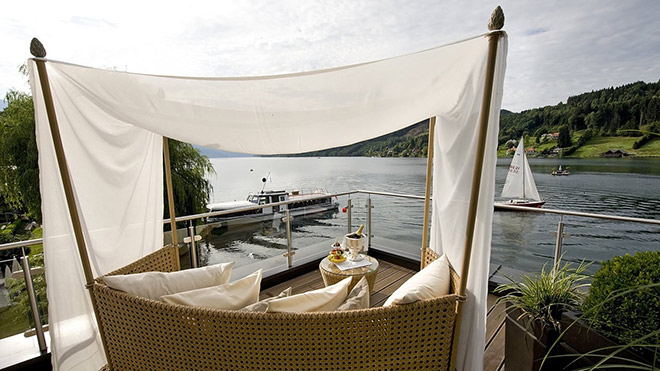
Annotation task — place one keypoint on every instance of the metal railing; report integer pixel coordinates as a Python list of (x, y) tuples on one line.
[(29, 287), (192, 237), (560, 224)]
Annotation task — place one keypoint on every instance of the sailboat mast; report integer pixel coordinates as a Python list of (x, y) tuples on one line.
[(523, 165)]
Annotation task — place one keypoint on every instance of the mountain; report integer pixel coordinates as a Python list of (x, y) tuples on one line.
[(627, 110), (213, 153), (407, 142)]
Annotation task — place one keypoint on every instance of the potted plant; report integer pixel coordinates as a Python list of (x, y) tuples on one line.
[(533, 315)]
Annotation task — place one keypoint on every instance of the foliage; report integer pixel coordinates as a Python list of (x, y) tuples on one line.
[(632, 316), (564, 137), (606, 112), (408, 142), (19, 169), (192, 189), (653, 131), (543, 297)]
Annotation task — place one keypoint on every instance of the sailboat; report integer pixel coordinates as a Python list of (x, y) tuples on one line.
[(519, 188)]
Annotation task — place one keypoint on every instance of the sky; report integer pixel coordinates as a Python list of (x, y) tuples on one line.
[(556, 48)]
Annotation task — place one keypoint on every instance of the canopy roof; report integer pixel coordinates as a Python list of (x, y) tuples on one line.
[(112, 124)]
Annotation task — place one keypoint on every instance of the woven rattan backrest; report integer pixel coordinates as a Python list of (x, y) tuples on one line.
[(162, 260)]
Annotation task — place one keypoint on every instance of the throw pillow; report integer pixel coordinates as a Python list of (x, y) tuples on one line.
[(431, 282), (263, 305), (230, 296), (325, 299), (153, 285), (358, 298)]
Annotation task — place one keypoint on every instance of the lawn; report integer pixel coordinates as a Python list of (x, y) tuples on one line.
[(12, 321), (598, 145)]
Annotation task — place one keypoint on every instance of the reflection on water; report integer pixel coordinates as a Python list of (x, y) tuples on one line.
[(525, 241)]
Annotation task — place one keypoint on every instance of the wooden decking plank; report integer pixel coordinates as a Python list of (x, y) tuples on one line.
[(379, 297), (389, 278), (494, 354), (494, 321)]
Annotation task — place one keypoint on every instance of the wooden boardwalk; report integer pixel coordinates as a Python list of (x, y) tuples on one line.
[(389, 278)]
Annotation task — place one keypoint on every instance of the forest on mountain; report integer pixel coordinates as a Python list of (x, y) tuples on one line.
[(630, 111)]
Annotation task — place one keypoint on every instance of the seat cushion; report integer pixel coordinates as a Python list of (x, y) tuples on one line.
[(230, 296), (431, 282), (153, 285)]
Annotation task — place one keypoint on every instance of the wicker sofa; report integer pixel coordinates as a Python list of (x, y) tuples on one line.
[(144, 334)]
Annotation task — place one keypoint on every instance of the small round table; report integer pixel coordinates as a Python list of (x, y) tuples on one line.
[(331, 274)]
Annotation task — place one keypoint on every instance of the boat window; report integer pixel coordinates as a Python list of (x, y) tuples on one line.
[(263, 200)]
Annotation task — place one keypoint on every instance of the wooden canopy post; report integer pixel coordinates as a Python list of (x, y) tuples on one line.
[(170, 191), (496, 23), (427, 193), (39, 52)]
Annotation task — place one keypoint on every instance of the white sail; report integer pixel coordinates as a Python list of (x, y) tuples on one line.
[(519, 182)]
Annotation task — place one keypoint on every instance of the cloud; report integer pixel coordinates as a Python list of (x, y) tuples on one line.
[(556, 49)]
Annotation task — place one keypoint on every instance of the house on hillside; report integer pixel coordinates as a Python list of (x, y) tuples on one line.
[(530, 151), (614, 153), (550, 136)]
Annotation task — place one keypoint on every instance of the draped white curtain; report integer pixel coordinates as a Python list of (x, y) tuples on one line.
[(112, 125)]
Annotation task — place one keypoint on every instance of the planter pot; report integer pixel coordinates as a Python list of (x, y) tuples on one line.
[(581, 339), (526, 344)]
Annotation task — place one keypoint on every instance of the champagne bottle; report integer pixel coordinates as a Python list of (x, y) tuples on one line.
[(359, 231)]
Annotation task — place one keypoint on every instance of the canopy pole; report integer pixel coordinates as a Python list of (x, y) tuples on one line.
[(427, 193), (170, 191), (496, 23), (39, 52)]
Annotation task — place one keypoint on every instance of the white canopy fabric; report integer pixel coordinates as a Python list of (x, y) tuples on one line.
[(112, 125)]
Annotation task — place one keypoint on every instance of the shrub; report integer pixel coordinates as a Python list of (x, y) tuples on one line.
[(635, 314)]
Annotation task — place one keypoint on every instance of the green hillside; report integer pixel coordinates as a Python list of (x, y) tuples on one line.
[(589, 124)]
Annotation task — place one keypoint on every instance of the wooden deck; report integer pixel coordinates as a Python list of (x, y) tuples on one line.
[(389, 278)]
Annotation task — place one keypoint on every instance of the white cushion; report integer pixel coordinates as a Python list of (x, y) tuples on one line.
[(324, 299), (263, 305), (153, 285), (230, 296), (358, 298), (431, 282)]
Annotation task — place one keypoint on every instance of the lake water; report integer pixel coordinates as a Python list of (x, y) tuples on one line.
[(523, 241)]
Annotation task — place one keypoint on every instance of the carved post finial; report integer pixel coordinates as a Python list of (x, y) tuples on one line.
[(37, 48), (496, 21)]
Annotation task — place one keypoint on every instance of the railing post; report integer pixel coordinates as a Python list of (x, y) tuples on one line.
[(558, 245), (192, 238), (369, 235), (36, 317), (349, 206), (289, 254)]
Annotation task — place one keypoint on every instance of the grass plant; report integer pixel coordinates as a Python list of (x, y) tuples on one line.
[(544, 296)]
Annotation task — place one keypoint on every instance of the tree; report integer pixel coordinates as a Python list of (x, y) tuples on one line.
[(564, 137), (19, 168), (192, 189)]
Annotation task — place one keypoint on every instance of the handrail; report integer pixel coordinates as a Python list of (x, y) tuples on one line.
[(579, 213), (26, 243), (13, 245)]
